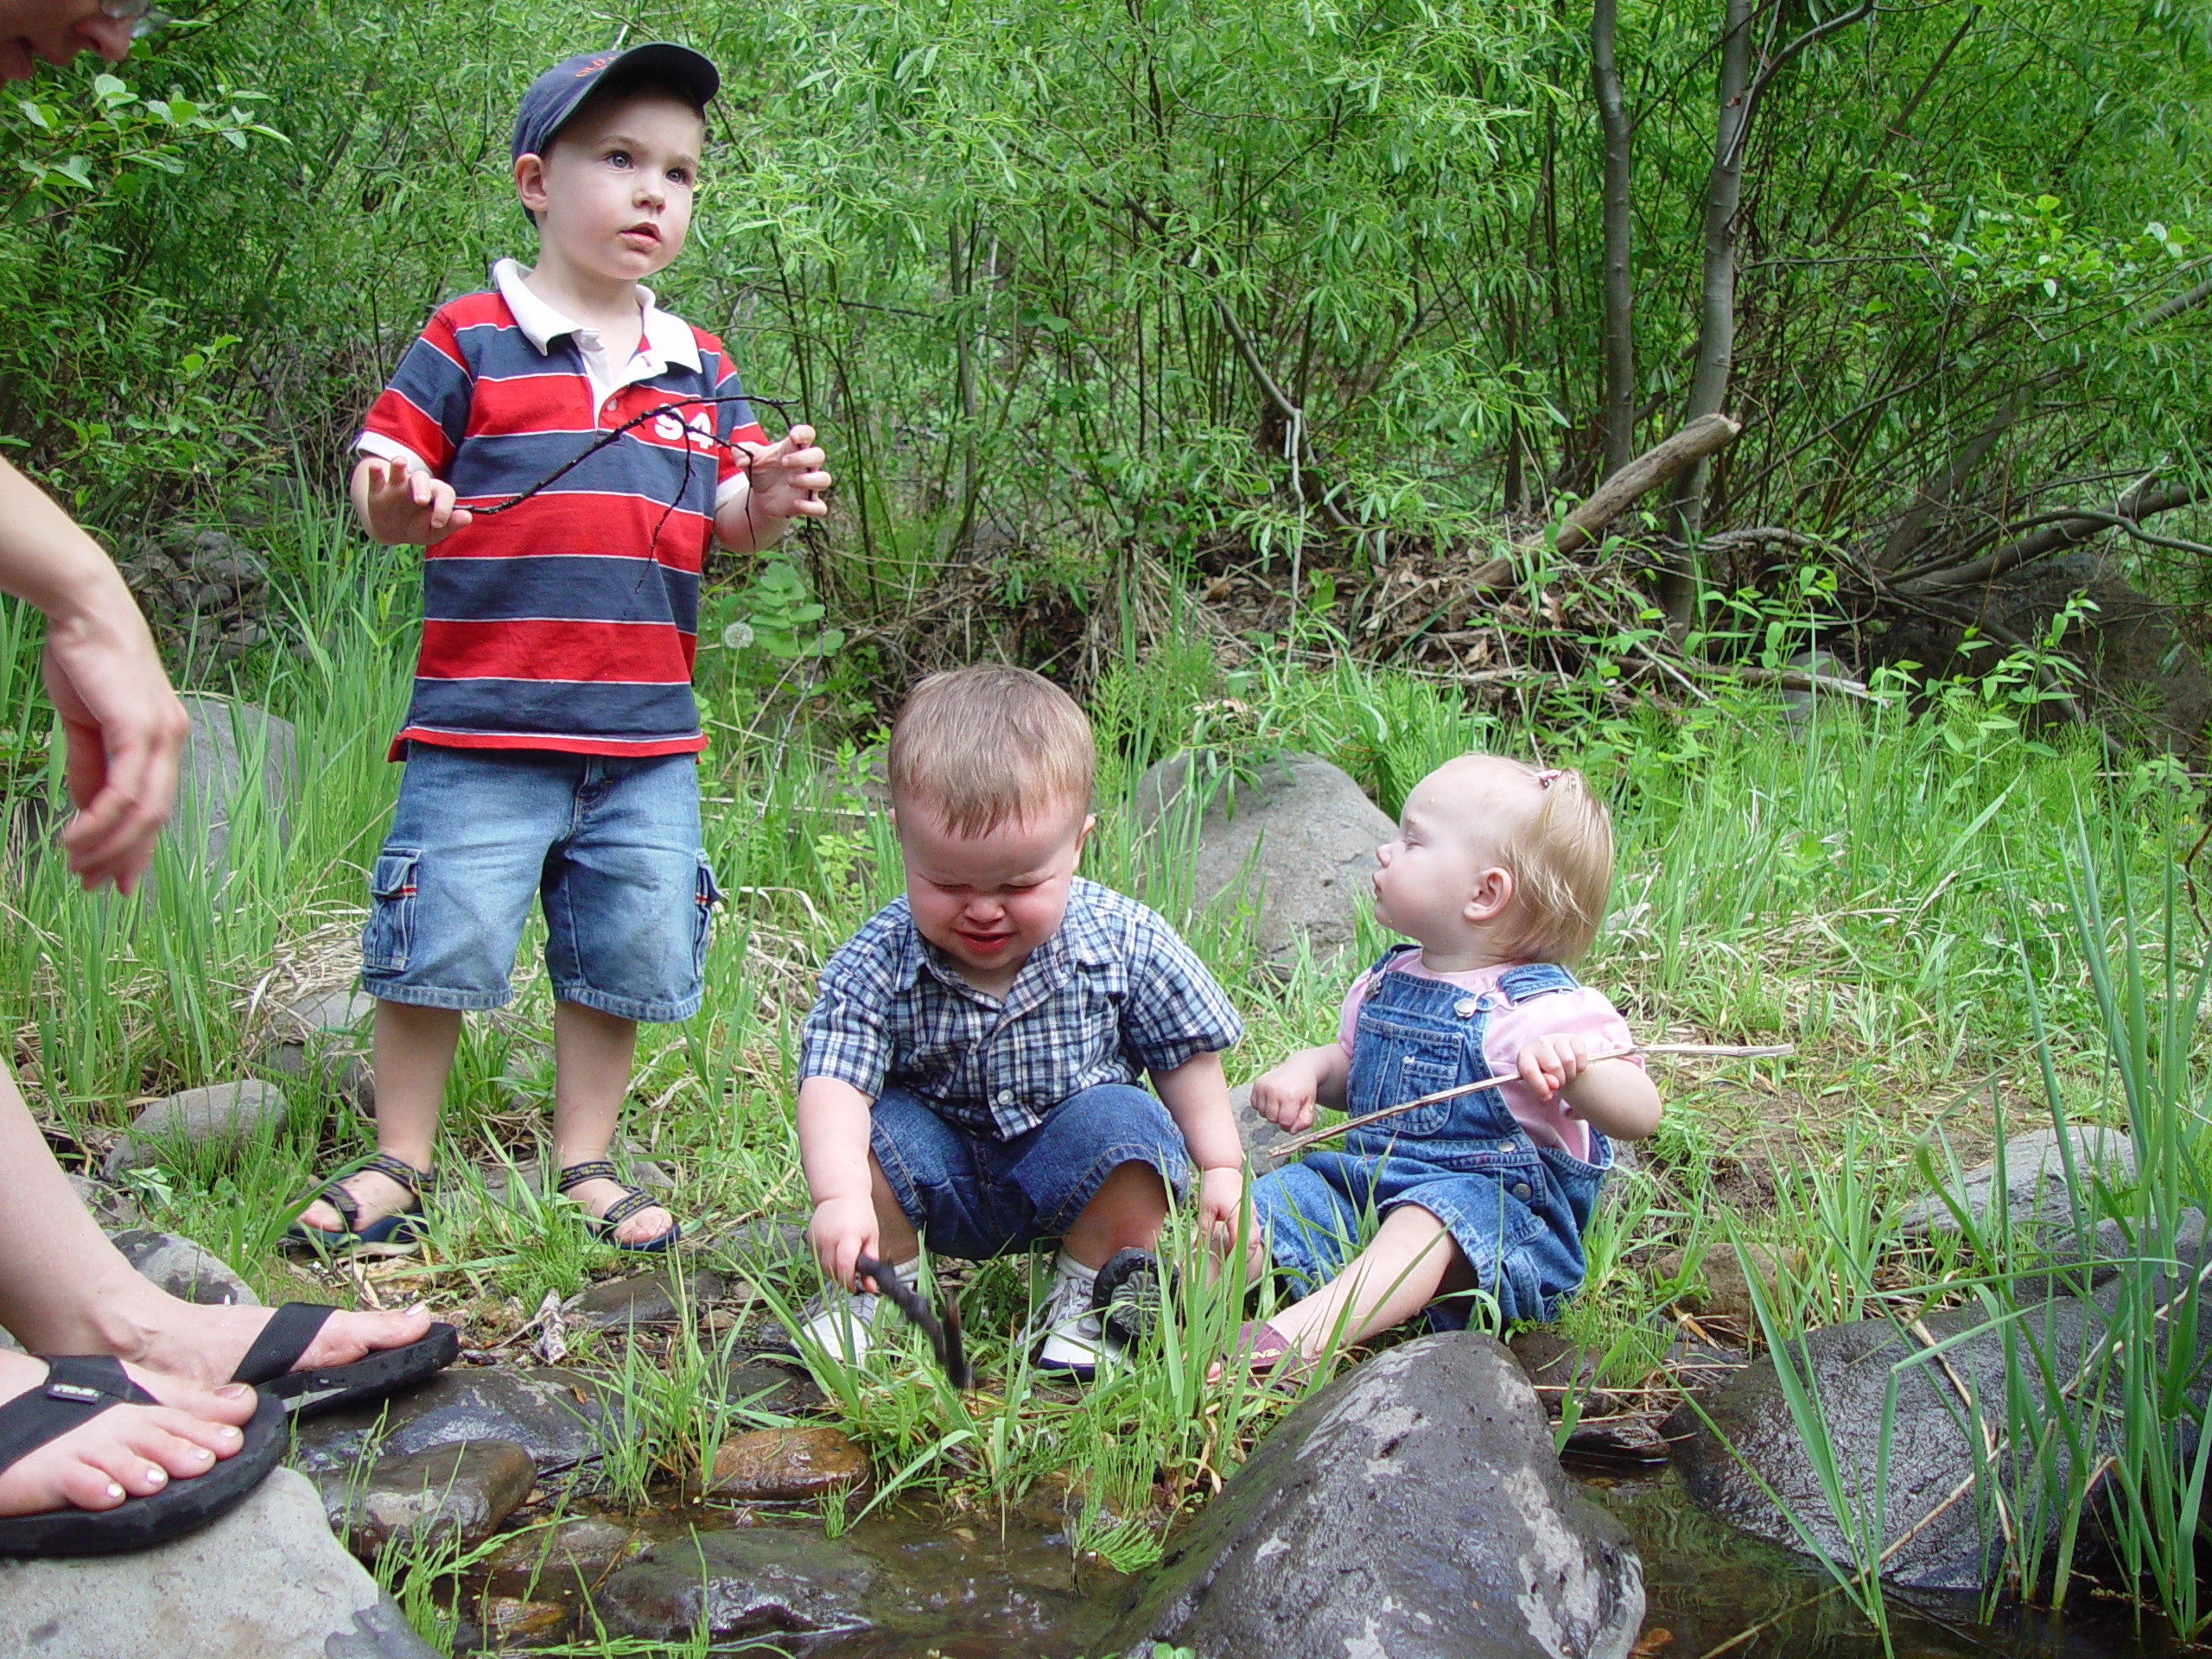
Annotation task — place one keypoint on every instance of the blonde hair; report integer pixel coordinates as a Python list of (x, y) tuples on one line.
[(990, 745), (1561, 856)]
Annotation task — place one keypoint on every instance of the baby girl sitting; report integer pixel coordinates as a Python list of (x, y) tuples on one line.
[(1499, 875)]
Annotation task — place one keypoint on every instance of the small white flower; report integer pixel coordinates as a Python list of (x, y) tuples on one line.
[(738, 635)]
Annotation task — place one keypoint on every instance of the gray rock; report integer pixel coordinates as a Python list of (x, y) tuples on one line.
[(580, 1551), (1797, 703), (644, 1299), (1261, 1137), (2078, 1267), (1932, 1448), (752, 1581), (1296, 843), (456, 1495), (112, 1209), (267, 1580), (235, 752), (782, 1390), (552, 1415), (769, 1241), (1413, 1508), (184, 1268), (2035, 1192), (225, 1116)]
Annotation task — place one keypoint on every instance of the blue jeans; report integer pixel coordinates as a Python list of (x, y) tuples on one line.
[(971, 1195), (610, 846), (1516, 1210)]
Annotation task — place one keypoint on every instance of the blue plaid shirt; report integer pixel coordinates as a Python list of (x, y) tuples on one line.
[(1113, 995)]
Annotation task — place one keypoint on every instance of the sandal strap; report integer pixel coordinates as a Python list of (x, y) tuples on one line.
[(593, 1169), (76, 1387), (349, 1212), (634, 1200), (399, 1170)]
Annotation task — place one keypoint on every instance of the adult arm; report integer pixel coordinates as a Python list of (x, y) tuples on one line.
[(122, 724)]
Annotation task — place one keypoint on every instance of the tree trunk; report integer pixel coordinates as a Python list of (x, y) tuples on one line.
[(1716, 329), (1618, 418)]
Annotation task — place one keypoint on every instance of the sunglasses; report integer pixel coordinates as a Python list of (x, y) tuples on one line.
[(145, 17)]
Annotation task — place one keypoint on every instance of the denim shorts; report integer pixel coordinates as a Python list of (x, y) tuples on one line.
[(610, 846), (971, 1195)]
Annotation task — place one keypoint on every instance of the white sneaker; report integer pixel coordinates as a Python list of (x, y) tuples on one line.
[(841, 1322), (1077, 1342)]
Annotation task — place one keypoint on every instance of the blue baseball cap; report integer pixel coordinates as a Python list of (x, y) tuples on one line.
[(553, 96)]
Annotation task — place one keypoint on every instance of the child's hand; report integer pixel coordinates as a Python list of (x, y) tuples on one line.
[(843, 1230), (1221, 1218), (399, 504), (1549, 1064), (787, 477), (1285, 1095)]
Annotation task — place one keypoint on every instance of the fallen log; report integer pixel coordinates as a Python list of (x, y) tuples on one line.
[(1654, 465)]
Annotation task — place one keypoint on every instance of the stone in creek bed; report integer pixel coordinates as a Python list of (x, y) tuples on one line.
[(772, 1464), (763, 1385), (552, 1415), (752, 1581), (507, 1619), (458, 1494), (645, 1299)]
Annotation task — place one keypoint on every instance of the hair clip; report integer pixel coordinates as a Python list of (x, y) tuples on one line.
[(1546, 776)]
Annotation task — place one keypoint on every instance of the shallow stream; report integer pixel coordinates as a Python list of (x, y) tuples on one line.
[(971, 1591)]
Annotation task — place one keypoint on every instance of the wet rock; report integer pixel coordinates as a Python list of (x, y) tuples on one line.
[(1632, 1441), (111, 1209), (2034, 1191), (267, 1579), (782, 1390), (1413, 1508), (749, 1582), (552, 1415), (769, 1465), (1296, 843), (236, 753), (1932, 1448), (225, 1116), (507, 1620), (644, 1299), (184, 1268), (456, 1495), (579, 1551), (1558, 1369), (2077, 1267), (1719, 1288)]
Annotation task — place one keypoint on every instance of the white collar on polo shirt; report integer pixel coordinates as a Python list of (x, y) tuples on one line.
[(667, 339)]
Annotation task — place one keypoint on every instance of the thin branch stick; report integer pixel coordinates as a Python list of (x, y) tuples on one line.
[(1654, 466), (1292, 1147)]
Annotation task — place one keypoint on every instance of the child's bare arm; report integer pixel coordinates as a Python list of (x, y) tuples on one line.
[(1195, 1095), (833, 1136), (785, 481), (399, 504), (1287, 1095), (1611, 1096)]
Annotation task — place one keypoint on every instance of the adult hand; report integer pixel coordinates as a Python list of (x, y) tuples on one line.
[(123, 728)]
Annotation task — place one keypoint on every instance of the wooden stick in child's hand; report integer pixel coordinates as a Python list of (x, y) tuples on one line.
[(942, 1332), (1292, 1147)]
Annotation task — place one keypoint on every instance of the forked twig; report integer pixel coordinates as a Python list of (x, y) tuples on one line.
[(1297, 1144), (942, 1327)]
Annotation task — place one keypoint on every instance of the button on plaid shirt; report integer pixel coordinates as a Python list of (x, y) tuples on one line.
[(1113, 995)]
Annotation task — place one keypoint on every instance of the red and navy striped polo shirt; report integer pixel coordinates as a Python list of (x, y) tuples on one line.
[(568, 622)]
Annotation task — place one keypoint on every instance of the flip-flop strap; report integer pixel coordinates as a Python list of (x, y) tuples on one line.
[(77, 1387), (282, 1342), (594, 1169)]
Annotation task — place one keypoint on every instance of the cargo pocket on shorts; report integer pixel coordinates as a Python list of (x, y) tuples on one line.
[(388, 937), (709, 895)]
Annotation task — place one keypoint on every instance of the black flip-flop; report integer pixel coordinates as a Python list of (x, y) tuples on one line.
[(78, 1387), (293, 1328)]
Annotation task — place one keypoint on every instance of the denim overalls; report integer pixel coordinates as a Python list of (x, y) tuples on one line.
[(1517, 1210)]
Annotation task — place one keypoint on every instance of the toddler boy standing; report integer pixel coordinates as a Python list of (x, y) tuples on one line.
[(551, 742), (969, 1071)]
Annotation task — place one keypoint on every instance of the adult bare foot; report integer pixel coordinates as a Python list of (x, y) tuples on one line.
[(128, 1451), (204, 1344)]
